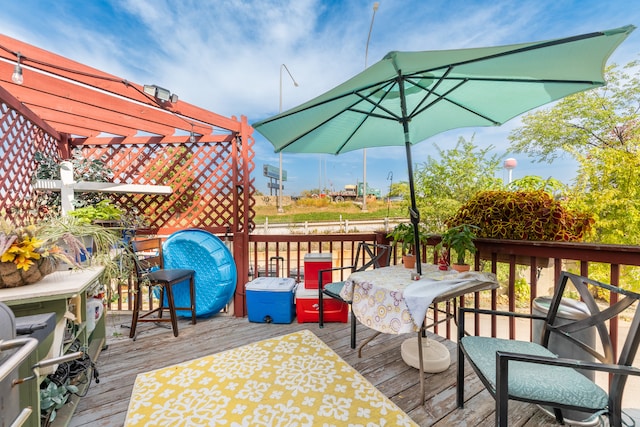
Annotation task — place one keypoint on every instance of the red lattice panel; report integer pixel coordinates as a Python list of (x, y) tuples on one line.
[(20, 139), (211, 182), (202, 177)]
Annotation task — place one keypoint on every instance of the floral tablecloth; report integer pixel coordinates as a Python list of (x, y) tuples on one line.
[(380, 303)]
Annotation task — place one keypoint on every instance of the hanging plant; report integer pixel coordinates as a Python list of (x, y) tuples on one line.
[(522, 215)]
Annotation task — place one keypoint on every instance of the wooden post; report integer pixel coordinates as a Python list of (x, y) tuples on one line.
[(240, 251), (67, 187)]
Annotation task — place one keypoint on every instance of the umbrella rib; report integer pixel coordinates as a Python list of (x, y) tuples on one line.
[(350, 108), (487, 118), (369, 114), (393, 117), (444, 97), (514, 80), (430, 91), (376, 105), (326, 101), (302, 135), (417, 110)]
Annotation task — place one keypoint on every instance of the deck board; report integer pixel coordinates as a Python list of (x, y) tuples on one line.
[(106, 403)]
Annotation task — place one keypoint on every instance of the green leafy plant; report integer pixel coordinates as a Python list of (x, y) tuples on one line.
[(459, 239), (522, 292), (403, 233), (522, 215), (109, 250), (104, 210), (54, 397)]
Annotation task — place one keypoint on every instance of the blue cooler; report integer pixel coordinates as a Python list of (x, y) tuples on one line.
[(271, 300)]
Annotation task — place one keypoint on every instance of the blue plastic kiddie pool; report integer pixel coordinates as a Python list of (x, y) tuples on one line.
[(215, 269)]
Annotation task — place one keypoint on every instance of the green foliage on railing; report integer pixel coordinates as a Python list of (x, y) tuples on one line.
[(523, 215)]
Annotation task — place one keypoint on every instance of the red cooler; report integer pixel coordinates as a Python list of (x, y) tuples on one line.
[(307, 307), (313, 263)]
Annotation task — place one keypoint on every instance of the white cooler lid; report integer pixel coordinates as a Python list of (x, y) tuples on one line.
[(271, 284), (304, 293), (318, 257)]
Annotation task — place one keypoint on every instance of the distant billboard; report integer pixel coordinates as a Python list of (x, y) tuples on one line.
[(273, 172)]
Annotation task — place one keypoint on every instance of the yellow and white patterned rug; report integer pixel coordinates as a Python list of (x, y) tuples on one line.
[(292, 380)]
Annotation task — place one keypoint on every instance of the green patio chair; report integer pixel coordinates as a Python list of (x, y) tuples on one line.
[(530, 372)]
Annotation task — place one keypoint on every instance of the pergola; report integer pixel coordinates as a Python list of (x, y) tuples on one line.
[(86, 106), (145, 134)]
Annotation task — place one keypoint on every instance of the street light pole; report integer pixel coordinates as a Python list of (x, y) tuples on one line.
[(282, 67), (364, 150)]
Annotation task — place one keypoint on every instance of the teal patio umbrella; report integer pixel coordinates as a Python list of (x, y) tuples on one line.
[(409, 96)]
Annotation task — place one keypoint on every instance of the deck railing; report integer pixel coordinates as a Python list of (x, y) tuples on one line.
[(525, 269)]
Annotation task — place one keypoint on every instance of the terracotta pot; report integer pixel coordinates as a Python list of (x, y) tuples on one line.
[(409, 261), (461, 267)]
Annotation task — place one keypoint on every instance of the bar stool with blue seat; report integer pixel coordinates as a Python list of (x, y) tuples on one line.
[(150, 271)]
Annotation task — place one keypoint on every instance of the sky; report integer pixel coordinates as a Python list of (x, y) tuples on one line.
[(227, 55)]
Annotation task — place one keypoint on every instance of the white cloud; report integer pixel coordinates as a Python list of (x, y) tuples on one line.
[(225, 55)]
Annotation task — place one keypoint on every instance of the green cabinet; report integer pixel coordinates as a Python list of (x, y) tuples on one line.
[(65, 293)]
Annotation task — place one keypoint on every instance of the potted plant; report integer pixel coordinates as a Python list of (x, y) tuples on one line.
[(459, 239), (27, 253), (53, 396), (106, 214), (102, 212), (403, 233)]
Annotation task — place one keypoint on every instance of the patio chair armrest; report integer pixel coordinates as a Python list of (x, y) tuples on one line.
[(503, 358), (321, 272), (463, 310)]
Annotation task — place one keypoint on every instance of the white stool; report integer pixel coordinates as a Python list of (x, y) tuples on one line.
[(435, 355)]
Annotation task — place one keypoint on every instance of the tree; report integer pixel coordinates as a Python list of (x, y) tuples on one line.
[(601, 130), (608, 185), (399, 189), (444, 184), (534, 182), (603, 118)]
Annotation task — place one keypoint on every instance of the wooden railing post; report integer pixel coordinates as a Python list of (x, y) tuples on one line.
[(241, 256)]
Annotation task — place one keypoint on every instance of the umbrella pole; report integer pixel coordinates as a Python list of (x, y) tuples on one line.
[(413, 210)]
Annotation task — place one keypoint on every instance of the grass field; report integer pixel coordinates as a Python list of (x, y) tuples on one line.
[(323, 210)]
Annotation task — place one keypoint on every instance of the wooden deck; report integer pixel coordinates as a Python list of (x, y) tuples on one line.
[(106, 403)]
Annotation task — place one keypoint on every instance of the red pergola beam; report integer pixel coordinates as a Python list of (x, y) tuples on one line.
[(141, 140), (54, 94), (93, 85)]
